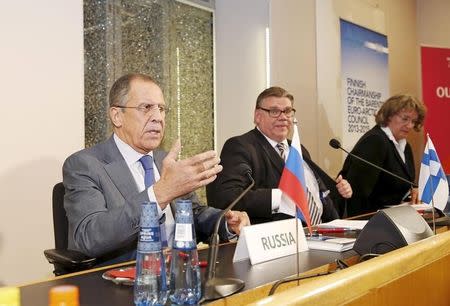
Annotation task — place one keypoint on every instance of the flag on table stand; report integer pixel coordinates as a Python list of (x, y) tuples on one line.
[(292, 181), (433, 186)]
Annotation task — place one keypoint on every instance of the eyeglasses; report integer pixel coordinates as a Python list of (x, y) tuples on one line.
[(406, 119), (145, 108), (275, 112)]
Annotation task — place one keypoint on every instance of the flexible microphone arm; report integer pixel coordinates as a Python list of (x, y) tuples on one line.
[(334, 143), (216, 287), (213, 246)]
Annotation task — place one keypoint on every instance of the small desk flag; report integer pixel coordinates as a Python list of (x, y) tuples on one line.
[(433, 184), (292, 182)]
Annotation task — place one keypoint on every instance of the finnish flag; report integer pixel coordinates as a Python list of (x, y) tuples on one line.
[(433, 184)]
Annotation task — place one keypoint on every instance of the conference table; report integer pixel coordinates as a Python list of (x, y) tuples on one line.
[(94, 290), (431, 255)]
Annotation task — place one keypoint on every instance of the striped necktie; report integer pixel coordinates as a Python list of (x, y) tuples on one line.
[(314, 211), (282, 149)]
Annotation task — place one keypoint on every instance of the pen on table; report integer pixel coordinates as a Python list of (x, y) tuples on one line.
[(424, 211), (333, 230), (201, 263)]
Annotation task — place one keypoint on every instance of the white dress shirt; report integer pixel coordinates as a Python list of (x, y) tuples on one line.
[(399, 145)]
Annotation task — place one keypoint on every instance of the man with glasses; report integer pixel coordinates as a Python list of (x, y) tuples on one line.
[(106, 184), (264, 150)]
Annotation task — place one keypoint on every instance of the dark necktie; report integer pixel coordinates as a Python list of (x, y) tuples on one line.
[(149, 180), (282, 149), (147, 163)]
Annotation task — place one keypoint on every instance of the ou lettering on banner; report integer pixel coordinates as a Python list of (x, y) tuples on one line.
[(443, 92)]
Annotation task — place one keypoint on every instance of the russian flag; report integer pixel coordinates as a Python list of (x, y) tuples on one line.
[(292, 182), (433, 186)]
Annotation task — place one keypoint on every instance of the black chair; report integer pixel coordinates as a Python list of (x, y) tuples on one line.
[(64, 260)]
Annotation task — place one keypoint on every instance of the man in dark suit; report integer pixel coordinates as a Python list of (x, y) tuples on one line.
[(264, 150), (105, 184)]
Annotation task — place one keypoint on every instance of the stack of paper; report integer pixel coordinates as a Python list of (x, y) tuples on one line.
[(329, 243), (346, 224)]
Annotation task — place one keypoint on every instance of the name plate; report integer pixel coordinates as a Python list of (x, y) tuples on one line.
[(267, 241)]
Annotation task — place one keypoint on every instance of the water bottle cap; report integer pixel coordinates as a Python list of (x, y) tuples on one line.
[(67, 295)]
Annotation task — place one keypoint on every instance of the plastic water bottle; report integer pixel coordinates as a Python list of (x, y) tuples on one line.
[(185, 281), (150, 285)]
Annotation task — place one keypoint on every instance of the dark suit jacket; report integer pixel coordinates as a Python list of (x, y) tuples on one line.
[(103, 204), (253, 149), (372, 188)]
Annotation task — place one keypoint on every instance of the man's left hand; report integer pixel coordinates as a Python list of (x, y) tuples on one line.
[(344, 188), (236, 220)]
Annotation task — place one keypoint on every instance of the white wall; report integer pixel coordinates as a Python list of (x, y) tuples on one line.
[(41, 60), (240, 61), (293, 58), (240, 64), (433, 23)]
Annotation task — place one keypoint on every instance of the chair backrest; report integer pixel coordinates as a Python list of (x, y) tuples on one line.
[(60, 224)]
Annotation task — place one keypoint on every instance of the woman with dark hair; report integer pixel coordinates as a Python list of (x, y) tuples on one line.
[(385, 145)]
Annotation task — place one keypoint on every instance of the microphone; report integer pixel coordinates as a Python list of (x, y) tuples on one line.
[(334, 143), (216, 288)]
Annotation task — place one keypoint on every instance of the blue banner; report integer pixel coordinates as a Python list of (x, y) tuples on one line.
[(365, 78)]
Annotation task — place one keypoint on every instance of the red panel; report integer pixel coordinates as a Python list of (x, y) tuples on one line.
[(436, 96)]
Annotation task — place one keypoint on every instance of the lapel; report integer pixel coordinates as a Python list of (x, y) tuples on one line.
[(404, 165), (314, 168), (158, 156), (269, 151), (117, 169)]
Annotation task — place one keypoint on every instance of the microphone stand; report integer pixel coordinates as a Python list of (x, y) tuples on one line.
[(334, 143), (338, 146), (216, 288)]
